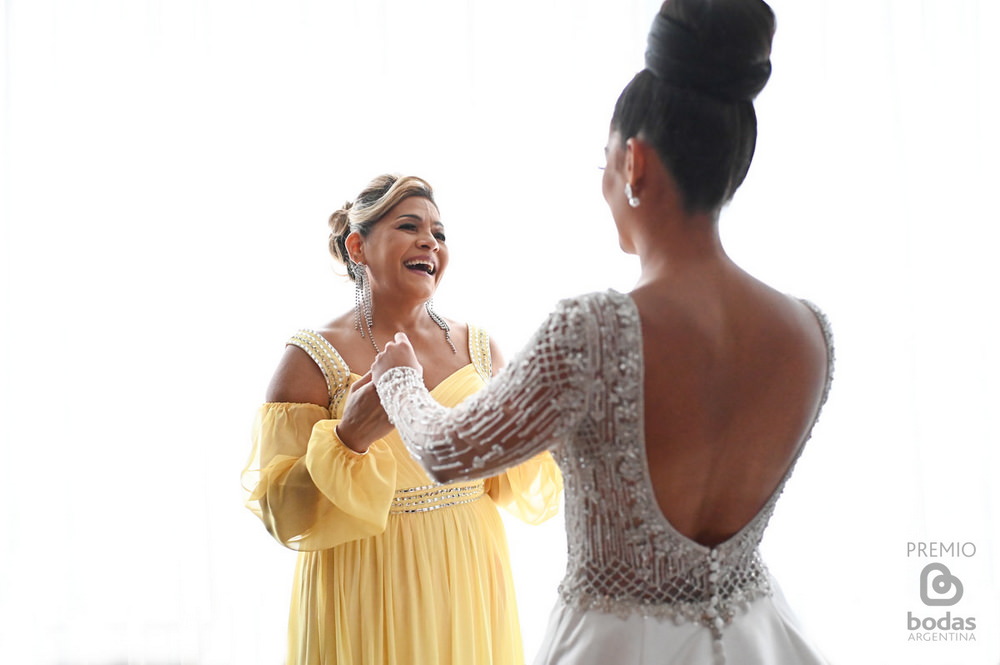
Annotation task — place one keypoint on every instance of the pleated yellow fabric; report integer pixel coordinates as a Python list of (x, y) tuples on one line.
[(392, 569)]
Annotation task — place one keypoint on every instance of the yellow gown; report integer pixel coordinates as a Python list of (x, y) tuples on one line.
[(392, 569)]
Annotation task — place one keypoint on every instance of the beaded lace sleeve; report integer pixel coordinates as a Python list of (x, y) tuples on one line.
[(529, 407)]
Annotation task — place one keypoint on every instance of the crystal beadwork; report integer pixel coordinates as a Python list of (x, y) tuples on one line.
[(575, 386)]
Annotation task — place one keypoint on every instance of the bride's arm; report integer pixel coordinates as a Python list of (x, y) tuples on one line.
[(534, 402)]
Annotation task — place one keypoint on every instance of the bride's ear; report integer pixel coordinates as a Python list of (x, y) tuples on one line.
[(636, 160)]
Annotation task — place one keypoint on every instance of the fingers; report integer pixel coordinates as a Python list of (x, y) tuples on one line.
[(397, 353), (400, 344), (363, 381), (399, 339)]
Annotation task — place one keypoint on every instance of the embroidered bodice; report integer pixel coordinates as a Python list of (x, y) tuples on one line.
[(576, 386)]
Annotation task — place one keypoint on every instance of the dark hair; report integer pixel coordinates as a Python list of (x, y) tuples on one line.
[(380, 196), (705, 63)]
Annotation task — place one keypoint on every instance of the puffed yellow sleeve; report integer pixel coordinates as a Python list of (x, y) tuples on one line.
[(311, 491), (530, 491)]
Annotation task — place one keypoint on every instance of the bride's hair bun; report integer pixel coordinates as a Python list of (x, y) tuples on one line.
[(706, 60), (721, 48)]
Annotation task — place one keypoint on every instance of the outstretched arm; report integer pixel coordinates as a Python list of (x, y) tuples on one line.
[(529, 407)]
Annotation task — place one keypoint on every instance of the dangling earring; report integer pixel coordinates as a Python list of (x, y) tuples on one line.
[(633, 200), (442, 324), (363, 302)]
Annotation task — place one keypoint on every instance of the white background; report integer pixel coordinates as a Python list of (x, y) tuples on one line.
[(168, 168)]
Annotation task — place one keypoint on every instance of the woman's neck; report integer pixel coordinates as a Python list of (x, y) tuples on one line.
[(399, 315), (672, 245)]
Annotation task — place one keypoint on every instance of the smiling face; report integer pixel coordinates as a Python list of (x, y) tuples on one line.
[(405, 252)]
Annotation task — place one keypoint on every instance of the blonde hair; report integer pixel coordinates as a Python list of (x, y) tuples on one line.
[(375, 200)]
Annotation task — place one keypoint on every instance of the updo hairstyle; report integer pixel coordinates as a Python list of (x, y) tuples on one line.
[(379, 197), (706, 60)]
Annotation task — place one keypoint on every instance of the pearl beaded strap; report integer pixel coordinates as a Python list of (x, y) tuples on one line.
[(335, 370), (479, 351)]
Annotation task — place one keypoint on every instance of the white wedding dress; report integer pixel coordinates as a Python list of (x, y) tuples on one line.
[(636, 591)]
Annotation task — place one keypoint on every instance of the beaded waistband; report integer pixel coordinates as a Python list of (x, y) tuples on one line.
[(434, 497)]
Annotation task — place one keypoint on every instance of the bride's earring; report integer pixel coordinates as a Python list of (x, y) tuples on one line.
[(633, 200)]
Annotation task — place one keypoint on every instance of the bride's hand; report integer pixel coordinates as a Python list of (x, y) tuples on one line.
[(397, 353)]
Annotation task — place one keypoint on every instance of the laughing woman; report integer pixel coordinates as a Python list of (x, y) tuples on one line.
[(393, 567)]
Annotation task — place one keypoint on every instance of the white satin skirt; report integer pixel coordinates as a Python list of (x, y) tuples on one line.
[(767, 633)]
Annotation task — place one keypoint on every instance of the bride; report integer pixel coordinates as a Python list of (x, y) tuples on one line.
[(676, 412)]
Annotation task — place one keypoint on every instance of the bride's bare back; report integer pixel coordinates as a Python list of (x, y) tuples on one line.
[(734, 374)]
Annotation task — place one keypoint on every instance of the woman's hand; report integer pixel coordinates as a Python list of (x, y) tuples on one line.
[(364, 418), (397, 353)]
